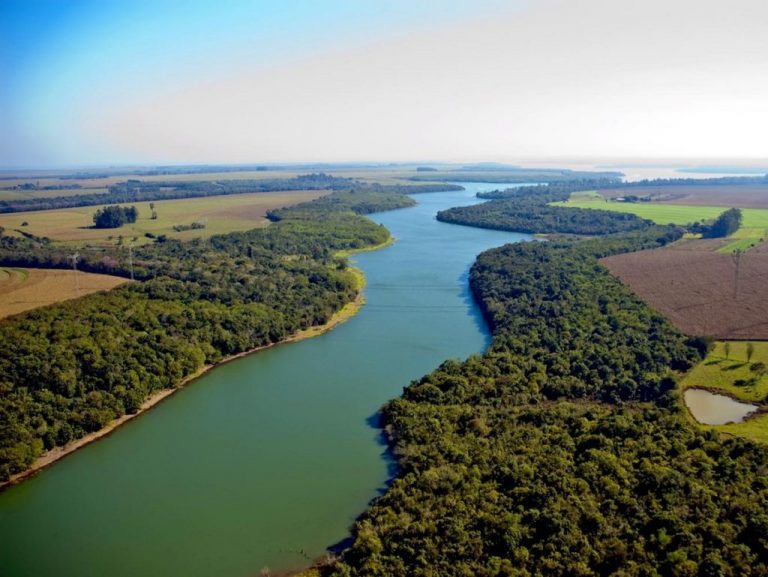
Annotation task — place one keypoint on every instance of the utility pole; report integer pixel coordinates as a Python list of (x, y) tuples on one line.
[(736, 256), (130, 258), (74, 258)]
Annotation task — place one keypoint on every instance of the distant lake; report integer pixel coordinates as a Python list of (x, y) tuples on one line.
[(267, 460)]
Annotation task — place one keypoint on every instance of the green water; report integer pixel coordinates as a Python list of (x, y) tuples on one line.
[(267, 460)]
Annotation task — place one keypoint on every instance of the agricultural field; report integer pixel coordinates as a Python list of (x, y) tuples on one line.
[(23, 289), (16, 194), (91, 185), (219, 214), (732, 374), (753, 231), (698, 290), (738, 196)]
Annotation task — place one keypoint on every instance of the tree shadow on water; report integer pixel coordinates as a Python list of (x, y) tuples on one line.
[(375, 421), (473, 308)]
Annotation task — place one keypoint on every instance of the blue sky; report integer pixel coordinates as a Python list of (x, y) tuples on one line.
[(87, 82)]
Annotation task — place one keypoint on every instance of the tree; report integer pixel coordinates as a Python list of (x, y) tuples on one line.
[(725, 224)]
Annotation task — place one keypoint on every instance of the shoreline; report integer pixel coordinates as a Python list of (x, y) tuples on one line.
[(346, 312)]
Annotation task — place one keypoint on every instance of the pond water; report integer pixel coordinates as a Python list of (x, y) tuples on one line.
[(713, 409), (267, 460)]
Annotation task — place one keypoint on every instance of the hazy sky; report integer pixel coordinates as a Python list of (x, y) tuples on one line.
[(161, 81)]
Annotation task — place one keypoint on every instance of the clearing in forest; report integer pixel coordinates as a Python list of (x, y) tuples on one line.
[(730, 369), (23, 289)]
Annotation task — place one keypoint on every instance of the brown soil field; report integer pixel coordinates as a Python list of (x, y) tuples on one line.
[(694, 288), (23, 289), (738, 196)]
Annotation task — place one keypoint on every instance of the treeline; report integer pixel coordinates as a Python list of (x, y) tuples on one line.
[(720, 180), (724, 225), (561, 451), (364, 201), (527, 209), (142, 191), (584, 184), (70, 368), (508, 174), (561, 189)]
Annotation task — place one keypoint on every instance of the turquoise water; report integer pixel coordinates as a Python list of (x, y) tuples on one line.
[(265, 461)]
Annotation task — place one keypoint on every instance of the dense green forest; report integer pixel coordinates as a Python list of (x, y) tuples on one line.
[(69, 369), (562, 450), (141, 191), (526, 209)]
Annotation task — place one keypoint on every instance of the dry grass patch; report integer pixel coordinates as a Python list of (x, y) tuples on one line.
[(23, 289)]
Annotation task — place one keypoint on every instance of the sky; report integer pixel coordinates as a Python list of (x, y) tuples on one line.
[(100, 82)]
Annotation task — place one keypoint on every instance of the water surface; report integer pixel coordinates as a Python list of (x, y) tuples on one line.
[(713, 409), (267, 460)]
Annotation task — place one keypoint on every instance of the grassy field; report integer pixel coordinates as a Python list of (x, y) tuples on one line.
[(753, 228), (718, 373), (23, 289), (92, 185), (220, 214), (6, 194)]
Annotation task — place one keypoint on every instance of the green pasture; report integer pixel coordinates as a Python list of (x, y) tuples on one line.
[(732, 376), (754, 225)]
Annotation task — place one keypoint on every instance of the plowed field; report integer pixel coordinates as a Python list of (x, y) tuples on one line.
[(699, 290)]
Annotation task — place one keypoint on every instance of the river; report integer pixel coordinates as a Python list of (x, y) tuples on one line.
[(267, 460)]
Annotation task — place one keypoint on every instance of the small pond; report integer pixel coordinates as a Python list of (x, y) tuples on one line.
[(713, 409)]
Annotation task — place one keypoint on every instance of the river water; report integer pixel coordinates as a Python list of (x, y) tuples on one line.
[(267, 460)]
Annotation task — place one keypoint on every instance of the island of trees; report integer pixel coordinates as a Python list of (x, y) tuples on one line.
[(114, 216)]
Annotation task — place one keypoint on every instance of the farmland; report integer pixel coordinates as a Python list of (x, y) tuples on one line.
[(220, 214), (697, 289), (753, 231), (729, 372), (739, 196), (25, 289)]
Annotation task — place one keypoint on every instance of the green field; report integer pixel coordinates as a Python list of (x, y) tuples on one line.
[(220, 214), (719, 372), (729, 375), (753, 228)]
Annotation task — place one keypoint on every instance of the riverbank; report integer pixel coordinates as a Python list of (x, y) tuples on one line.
[(344, 314)]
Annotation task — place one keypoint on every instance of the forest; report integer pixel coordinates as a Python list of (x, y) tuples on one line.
[(134, 190), (71, 368), (563, 449)]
